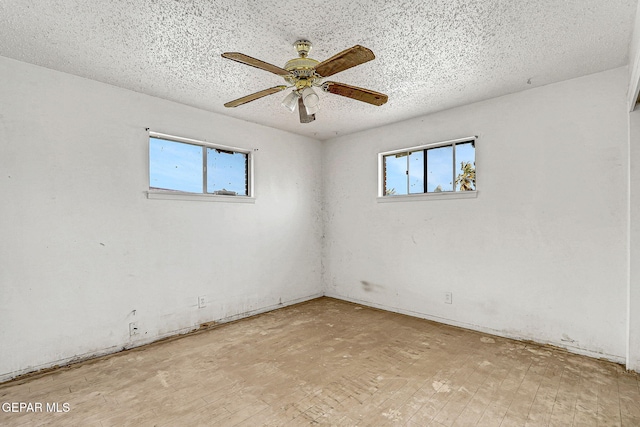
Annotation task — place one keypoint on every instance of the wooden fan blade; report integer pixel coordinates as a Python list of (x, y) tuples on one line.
[(344, 60), (254, 96), (244, 59), (304, 117), (357, 93)]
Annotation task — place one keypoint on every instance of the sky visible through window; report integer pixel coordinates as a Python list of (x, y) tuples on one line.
[(226, 171), (178, 166), (405, 171)]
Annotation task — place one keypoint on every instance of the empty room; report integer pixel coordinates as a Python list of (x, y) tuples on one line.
[(412, 213)]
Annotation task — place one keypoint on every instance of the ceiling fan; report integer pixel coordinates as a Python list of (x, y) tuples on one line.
[(304, 73)]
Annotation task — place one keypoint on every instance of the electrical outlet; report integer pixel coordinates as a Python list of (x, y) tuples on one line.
[(448, 298), (202, 302), (133, 329)]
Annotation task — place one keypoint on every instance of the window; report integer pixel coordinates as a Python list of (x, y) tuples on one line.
[(445, 167), (185, 166)]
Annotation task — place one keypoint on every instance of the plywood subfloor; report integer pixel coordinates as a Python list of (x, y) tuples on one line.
[(328, 362)]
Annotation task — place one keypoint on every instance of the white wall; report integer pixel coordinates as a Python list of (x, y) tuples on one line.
[(633, 351), (540, 254), (82, 248), (633, 308), (634, 62)]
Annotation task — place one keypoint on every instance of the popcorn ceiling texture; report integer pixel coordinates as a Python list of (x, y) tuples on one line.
[(430, 54)]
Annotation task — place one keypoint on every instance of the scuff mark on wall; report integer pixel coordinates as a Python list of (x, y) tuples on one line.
[(370, 287)]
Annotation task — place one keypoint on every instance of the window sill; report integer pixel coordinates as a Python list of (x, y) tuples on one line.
[(445, 195), (177, 195)]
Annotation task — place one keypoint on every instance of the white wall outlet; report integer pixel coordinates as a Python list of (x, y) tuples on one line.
[(202, 303), (133, 329), (448, 298)]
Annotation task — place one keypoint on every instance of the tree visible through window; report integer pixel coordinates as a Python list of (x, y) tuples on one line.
[(193, 168), (430, 169)]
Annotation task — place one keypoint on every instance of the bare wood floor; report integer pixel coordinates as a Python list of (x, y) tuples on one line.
[(329, 362)]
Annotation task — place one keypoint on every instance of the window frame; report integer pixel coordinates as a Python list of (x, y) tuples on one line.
[(167, 194), (424, 196)]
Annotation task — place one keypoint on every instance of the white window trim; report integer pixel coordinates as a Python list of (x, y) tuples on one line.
[(445, 195), (197, 197), (421, 196), (182, 195)]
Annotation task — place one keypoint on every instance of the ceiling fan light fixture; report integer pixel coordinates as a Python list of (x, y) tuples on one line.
[(312, 110), (311, 100), (291, 100)]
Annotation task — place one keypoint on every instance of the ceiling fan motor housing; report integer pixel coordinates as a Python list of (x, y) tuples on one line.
[(302, 72), (302, 69)]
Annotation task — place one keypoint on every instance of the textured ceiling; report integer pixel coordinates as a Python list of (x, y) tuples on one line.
[(430, 54)]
